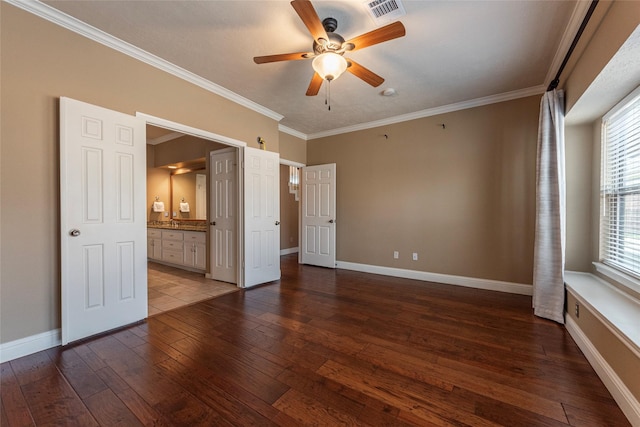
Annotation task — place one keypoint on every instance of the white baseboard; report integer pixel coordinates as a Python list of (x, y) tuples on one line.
[(470, 282), (623, 397), (29, 345), (289, 251)]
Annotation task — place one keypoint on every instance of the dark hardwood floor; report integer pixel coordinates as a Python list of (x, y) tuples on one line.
[(320, 347)]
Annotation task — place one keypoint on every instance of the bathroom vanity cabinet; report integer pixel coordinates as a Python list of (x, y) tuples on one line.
[(178, 248)]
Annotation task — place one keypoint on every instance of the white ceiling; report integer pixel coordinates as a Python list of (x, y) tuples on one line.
[(455, 53)]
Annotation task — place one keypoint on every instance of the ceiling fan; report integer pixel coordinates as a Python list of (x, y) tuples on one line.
[(329, 48)]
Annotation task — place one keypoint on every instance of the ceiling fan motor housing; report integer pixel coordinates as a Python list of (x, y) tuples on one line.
[(333, 44)]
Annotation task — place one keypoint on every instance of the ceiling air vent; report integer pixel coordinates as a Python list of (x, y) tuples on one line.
[(383, 11)]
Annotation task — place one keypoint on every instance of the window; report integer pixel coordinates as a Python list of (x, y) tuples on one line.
[(620, 189)]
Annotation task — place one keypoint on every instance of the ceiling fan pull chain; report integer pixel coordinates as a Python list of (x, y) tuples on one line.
[(326, 94), (328, 100)]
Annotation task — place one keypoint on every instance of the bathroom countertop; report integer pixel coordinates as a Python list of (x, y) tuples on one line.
[(166, 225)]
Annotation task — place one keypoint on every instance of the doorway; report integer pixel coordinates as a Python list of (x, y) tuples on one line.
[(179, 268)]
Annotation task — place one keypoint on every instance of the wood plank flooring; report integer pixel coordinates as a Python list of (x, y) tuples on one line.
[(319, 347)]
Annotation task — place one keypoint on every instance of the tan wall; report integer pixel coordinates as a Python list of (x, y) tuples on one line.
[(609, 29), (579, 152), (612, 24), (184, 149), (292, 148), (158, 185), (462, 197), (40, 63), (621, 359), (583, 181), (288, 212)]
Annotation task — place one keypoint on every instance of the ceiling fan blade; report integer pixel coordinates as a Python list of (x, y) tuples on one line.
[(382, 34), (308, 14), (364, 73), (314, 86), (282, 57)]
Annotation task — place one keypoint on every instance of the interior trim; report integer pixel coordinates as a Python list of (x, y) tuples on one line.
[(478, 102), (621, 394), (32, 344), (469, 282), (289, 251), (292, 132), (188, 130)]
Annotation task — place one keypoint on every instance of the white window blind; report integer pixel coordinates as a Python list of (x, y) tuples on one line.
[(620, 189)]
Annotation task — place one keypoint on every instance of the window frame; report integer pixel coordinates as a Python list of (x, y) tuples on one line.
[(627, 278)]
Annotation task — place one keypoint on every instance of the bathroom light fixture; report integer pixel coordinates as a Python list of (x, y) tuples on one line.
[(329, 65)]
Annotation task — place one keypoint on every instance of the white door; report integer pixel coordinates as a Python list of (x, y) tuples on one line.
[(223, 223), (261, 216), (102, 218), (318, 217)]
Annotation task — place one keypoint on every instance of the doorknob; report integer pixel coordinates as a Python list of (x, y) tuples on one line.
[(74, 233), (277, 222), (332, 221), (212, 223)]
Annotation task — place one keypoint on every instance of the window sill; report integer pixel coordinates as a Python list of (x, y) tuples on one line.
[(625, 280), (617, 310)]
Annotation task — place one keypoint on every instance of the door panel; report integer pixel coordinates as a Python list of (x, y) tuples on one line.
[(103, 219), (223, 224), (319, 215), (262, 216)]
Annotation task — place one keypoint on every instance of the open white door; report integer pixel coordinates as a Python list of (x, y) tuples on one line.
[(102, 218), (318, 216), (224, 221), (261, 216)]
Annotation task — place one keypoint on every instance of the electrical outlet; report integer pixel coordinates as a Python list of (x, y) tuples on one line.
[(396, 254), (415, 256), (577, 310)]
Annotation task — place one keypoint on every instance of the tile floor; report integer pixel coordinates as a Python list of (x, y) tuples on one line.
[(171, 288)]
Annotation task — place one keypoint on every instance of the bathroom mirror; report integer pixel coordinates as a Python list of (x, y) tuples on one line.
[(189, 195)]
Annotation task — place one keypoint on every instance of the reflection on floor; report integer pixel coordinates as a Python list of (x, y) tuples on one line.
[(171, 288)]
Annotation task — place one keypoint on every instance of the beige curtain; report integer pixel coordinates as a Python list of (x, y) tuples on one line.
[(549, 250)]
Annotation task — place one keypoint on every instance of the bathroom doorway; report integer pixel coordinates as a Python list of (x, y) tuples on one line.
[(178, 199)]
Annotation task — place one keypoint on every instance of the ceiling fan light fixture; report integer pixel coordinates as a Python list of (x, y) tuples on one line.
[(329, 65)]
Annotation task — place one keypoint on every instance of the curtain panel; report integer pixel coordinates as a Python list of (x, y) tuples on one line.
[(549, 250)]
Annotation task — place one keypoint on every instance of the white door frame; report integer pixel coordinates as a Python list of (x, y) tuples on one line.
[(188, 130)]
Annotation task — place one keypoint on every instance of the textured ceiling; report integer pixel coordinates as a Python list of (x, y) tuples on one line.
[(454, 52)]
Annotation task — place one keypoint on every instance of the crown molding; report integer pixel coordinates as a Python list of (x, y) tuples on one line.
[(478, 102), (57, 17), (292, 132)]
